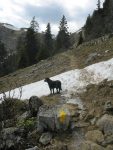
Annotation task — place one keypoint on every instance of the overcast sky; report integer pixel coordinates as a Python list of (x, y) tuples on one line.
[(20, 12)]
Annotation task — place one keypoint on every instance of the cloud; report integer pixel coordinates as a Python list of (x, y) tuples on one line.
[(20, 13), (48, 13)]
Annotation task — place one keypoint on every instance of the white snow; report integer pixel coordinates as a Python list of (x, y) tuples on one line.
[(10, 27), (72, 81)]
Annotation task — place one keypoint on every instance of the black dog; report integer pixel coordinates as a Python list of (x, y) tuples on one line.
[(53, 84)]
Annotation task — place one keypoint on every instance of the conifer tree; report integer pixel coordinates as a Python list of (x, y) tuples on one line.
[(88, 21), (98, 5), (3, 58), (63, 38), (48, 41), (88, 24), (47, 46), (29, 47), (31, 42), (3, 52), (34, 24)]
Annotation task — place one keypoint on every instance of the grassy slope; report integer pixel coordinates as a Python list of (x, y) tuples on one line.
[(71, 59)]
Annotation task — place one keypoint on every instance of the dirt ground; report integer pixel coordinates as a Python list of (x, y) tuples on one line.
[(96, 96)]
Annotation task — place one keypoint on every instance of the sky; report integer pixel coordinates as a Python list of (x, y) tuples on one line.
[(20, 12)]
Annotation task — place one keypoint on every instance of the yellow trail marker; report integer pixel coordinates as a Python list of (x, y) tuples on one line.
[(62, 116)]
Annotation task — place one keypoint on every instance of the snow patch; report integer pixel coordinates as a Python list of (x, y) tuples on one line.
[(10, 27)]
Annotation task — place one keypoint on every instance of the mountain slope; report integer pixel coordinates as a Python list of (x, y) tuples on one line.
[(10, 35), (80, 57), (72, 81)]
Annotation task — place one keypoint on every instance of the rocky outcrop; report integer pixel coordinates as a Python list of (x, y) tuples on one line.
[(56, 118), (34, 104), (10, 38), (45, 138), (100, 23), (105, 123), (59, 127)]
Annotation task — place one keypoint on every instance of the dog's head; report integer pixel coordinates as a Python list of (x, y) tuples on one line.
[(46, 80)]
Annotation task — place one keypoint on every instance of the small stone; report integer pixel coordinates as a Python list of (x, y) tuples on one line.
[(45, 138), (94, 136), (108, 106), (81, 124), (34, 148)]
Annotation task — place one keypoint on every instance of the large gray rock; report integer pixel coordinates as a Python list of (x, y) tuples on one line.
[(54, 118), (34, 104), (105, 123), (45, 138), (46, 117), (63, 117)]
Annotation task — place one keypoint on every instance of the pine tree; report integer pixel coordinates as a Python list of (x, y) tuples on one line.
[(31, 42), (34, 24), (23, 57), (3, 59), (47, 48), (3, 52), (29, 46), (48, 41), (63, 38), (98, 5), (88, 24)]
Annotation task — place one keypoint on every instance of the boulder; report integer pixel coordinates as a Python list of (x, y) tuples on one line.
[(34, 104), (105, 123), (94, 136), (54, 118), (108, 106), (46, 118), (45, 138), (63, 118), (88, 145)]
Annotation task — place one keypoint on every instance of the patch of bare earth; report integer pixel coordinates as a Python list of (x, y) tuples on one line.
[(96, 96)]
